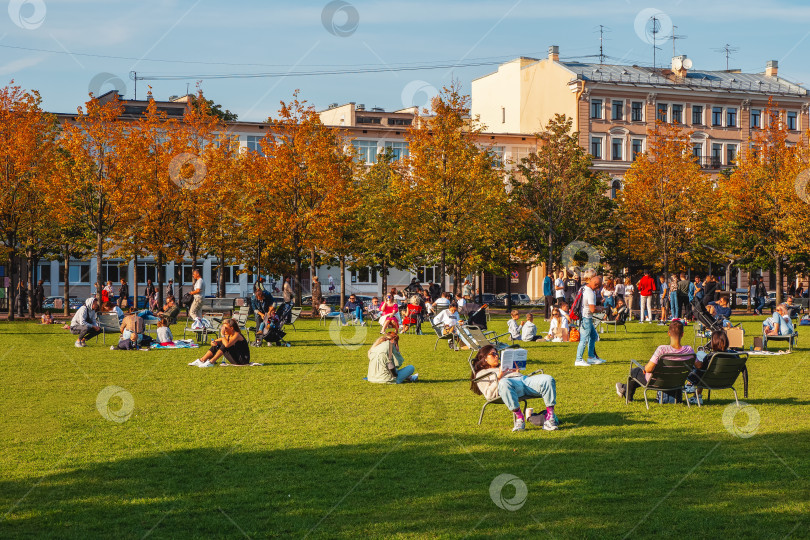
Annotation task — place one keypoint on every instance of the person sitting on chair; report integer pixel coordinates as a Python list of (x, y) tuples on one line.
[(232, 345), (389, 311), (443, 302), (261, 304), (373, 309), (385, 361), (719, 343), (354, 307), (558, 330), (528, 330), (170, 309), (641, 376), (620, 310), (779, 323), (449, 322), (510, 386), (720, 310)]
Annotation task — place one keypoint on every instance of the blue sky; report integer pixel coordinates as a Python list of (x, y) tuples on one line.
[(286, 36)]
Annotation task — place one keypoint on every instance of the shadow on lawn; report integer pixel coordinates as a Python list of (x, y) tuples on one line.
[(420, 485)]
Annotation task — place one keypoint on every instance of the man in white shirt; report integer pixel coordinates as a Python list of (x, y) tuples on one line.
[(528, 330), (448, 320), (559, 288), (442, 302), (197, 291), (587, 329)]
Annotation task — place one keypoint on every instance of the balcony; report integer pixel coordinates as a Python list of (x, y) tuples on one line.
[(712, 163)]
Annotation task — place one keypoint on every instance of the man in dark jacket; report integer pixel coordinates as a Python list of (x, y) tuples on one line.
[(123, 294), (261, 304)]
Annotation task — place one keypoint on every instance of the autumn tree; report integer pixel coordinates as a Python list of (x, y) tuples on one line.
[(558, 199), (761, 198), (665, 203), (454, 184), (95, 142), (26, 145)]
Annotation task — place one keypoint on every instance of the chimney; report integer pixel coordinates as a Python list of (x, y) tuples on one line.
[(771, 68), (554, 53)]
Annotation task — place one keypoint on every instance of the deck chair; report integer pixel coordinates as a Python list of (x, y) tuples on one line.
[(620, 320), (440, 335), (498, 400), (722, 371), (475, 339), (669, 375), (202, 333), (294, 314), (790, 338), (109, 325), (329, 314)]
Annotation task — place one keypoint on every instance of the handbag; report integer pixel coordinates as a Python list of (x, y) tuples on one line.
[(187, 299), (573, 334)]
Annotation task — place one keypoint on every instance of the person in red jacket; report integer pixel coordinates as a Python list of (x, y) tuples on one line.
[(646, 289)]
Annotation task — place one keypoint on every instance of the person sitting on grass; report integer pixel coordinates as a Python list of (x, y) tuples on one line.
[(528, 330), (47, 318), (84, 322), (232, 345), (641, 376), (510, 386), (514, 325), (164, 333), (385, 361), (719, 343), (778, 324), (558, 330), (132, 328)]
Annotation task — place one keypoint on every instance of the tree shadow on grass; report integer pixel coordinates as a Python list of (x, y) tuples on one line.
[(421, 485)]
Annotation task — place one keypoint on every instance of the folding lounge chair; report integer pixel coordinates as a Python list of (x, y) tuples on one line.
[(109, 325), (722, 371), (440, 335), (475, 339), (669, 375), (790, 338), (498, 400)]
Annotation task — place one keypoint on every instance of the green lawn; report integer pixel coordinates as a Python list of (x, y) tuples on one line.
[(303, 447)]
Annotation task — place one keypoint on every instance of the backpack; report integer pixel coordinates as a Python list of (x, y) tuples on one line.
[(187, 299), (573, 334), (575, 313)]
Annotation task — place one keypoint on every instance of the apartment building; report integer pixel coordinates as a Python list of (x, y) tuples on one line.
[(613, 106)]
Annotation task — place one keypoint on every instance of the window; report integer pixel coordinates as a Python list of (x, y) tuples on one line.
[(79, 273), (364, 275), (399, 121), (637, 114), (596, 108), (717, 155), (661, 112), (366, 151), (731, 153), (519, 153), (791, 120), (717, 116), (618, 110), (253, 144), (677, 114), (112, 271), (697, 115), (637, 146), (44, 272), (185, 272), (427, 274), (756, 118), (399, 149), (369, 120), (731, 117), (616, 149), (615, 186), (697, 150), (596, 147), (497, 155), (232, 274), (146, 271)]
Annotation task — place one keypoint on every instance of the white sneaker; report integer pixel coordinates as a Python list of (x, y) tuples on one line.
[(581, 363), (79, 344), (112, 347), (414, 377), (596, 361), (207, 363), (196, 363)]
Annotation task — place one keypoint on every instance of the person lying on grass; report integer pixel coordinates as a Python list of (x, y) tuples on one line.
[(510, 386), (232, 345), (385, 361), (640, 377)]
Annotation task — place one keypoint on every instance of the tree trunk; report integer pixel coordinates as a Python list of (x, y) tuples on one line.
[(99, 260), (221, 277), (135, 283), (31, 276), (66, 291), (443, 268), (778, 280), (298, 277), (161, 276), (342, 282), (481, 290), (509, 288), (312, 271), (12, 289), (384, 277)]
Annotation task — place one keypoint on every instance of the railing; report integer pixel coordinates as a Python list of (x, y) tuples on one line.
[(713, 162), (709, 83)]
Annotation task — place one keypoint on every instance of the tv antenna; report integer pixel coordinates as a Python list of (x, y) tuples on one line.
[(602, 30), (674, 37), (654, 29), (728, 50)]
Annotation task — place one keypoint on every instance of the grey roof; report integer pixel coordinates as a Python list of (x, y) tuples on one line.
[(756, 83)]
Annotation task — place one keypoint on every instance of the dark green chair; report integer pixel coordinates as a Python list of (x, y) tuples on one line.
[(669, 375), (498, 400), (722, 369)]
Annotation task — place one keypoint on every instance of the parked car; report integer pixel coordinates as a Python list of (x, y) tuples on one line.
[(334, 299), (50, 301), (518, 299)]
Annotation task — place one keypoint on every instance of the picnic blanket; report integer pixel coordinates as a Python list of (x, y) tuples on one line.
[(179, 344), (767, 353)]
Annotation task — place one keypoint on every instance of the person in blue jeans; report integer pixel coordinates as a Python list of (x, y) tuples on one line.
[(673, 297), (489, 380), (354, 307), (587, 329)]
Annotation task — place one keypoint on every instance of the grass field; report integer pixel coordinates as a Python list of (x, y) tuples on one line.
[(303, 447)]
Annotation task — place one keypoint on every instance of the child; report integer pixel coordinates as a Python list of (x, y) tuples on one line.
[(47, 318), (528, 330), (164, 333), (514, 326)]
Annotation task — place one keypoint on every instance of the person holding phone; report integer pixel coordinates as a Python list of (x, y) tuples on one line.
[(511, 385)]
